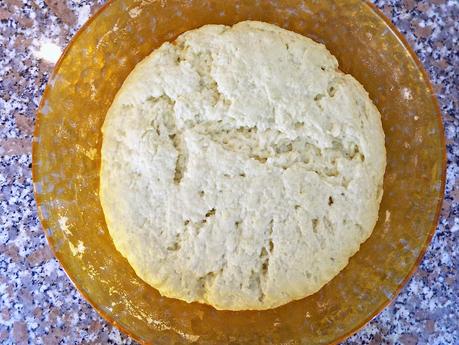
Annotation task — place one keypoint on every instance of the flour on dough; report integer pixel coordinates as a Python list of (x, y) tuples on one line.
[(240, 167)]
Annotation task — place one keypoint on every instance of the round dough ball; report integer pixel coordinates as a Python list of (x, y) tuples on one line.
[(240, 167)]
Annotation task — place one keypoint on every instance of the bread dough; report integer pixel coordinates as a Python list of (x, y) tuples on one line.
[(240, 167)]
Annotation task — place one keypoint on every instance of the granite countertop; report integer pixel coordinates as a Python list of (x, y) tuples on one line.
[(38, 303)]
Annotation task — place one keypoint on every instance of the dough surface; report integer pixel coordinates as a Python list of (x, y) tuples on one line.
[(240, 167)]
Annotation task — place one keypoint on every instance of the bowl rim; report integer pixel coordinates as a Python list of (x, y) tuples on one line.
[(382, 306)]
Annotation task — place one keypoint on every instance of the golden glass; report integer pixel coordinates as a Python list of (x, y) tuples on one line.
[(66, 161)]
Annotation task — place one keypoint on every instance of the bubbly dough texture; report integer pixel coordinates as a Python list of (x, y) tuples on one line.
[(240, 167)]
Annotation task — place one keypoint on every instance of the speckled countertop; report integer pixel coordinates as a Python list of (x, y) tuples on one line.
[(38, 303)]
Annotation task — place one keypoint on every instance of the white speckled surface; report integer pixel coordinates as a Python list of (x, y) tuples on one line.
[(39, 305)]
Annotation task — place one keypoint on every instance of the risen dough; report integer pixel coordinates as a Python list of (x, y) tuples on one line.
[(240, 167)]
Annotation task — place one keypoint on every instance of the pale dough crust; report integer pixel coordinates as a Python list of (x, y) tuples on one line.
[(240, 167)]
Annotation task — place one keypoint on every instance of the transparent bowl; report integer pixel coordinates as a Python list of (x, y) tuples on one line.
[(66, 161)]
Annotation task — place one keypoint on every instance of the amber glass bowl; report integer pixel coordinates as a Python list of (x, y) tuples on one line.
[(66, 161)]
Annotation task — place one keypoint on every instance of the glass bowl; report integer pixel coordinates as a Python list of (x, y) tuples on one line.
[(66, 161)]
